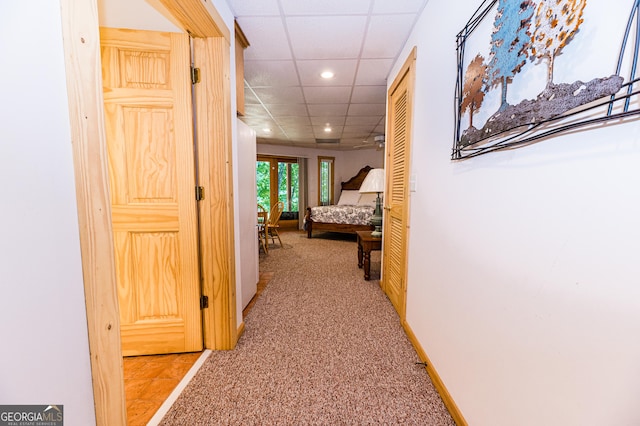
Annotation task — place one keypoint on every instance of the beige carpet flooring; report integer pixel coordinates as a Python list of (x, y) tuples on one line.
[(321, 346)]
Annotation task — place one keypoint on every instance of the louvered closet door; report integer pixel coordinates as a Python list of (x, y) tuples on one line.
[(397, 187), (147, 95)]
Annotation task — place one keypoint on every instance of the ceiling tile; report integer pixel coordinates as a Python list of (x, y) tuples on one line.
[(352, 141), (325, 7), (255, 110), (270, 73), (363, 120), (331, 120), (398, 6), (353, 131), (260, 122), (290, 97), (318, 37), (327, 109), (287, 110), (279, 95), (327, 95), (250, 97), (298, 132), (335, 132), (344, 70), (369, 94), (267, 38), (284, 121), (267, 128), (385, 34), (366, 109), (373, 72), (271, 135), (254, 7)]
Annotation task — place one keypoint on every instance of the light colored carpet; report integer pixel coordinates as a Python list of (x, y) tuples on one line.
[(321, 346)]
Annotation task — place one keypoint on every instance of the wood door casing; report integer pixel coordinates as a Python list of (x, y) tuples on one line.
[(396, 201), (80, 31), (148, 118)]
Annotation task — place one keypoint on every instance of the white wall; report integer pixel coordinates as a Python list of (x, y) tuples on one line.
[(347, 164), (352, 161), (133, 14), (45, 349), (523, 284), (247, 213)]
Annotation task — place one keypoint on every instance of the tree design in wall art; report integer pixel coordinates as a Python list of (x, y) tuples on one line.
[(544, 67)]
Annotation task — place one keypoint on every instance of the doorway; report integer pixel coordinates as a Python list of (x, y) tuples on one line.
[(148, 118), (396, 202), (86, 110)]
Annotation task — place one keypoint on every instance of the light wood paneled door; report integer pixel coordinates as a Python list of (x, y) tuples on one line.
[(148, 120), (396, 200)]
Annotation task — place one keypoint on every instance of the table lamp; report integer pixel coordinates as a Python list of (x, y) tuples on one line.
[(374, 182)]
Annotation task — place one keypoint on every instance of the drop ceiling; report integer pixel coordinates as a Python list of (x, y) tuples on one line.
[(292, 42)]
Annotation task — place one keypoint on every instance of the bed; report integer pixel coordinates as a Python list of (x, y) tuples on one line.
[(352, 213)]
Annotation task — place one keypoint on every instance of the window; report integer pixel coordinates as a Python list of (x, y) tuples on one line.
[(263, 183), (277, 180), (288, 185), (325, 180)]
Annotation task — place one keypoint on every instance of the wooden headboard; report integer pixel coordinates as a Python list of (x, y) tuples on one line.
[(356, 181)]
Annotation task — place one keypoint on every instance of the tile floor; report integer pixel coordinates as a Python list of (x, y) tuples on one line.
[(149, 380)]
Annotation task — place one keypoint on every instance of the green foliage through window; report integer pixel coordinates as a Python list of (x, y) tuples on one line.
[(263, 182), (325, 180), (287, 187)]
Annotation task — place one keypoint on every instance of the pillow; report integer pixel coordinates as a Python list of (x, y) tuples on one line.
[(349, 197), (367, 199)]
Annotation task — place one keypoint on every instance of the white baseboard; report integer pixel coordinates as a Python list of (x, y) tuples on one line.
[(166, 405)]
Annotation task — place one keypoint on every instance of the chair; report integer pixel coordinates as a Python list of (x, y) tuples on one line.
[(271, 229), (262, 214), (262, 224)]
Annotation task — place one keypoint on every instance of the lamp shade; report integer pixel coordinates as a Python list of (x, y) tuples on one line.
[(374, 182)]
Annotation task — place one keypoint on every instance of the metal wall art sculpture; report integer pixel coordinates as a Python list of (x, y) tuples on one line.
[(507, 91)]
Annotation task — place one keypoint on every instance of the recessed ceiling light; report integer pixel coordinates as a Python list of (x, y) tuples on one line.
[(266, 130), (327, 74), (327, 129)]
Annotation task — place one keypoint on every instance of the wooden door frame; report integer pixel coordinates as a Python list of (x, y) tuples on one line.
[(273, 189), (81, 41), (407, 71)]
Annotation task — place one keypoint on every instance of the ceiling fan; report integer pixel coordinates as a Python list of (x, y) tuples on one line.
[(377, 140)]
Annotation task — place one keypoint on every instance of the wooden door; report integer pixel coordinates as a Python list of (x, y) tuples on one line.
[(396, 198), (147, 96)]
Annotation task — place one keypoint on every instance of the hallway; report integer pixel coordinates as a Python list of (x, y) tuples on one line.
[(321, 346)]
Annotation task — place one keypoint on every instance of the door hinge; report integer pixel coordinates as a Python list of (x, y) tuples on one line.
[(199, 193), (195, 75), (204, 302)]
